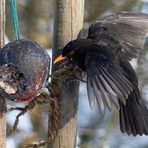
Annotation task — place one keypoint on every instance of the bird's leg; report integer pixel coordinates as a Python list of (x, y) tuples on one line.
[(68, 72), (22, 110), (75, 75), (62, 70), (60, 73)]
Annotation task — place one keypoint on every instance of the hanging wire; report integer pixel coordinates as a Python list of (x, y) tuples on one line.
[(15, 19)]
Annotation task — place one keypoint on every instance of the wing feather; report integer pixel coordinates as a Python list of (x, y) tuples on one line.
[(112, 83), (129, 29), (111, 93), (106, 82), (115, 76), (90, 92), (99, 95)]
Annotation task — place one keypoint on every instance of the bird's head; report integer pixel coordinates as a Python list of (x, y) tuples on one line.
[(72, 47)]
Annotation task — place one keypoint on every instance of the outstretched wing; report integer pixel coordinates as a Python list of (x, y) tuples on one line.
[(128, 28), (107, 82)]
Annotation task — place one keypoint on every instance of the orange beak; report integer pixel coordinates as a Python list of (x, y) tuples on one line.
[(58, 59)]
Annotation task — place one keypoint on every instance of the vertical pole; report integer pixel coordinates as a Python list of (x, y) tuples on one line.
[(2, 101), (68, 22)]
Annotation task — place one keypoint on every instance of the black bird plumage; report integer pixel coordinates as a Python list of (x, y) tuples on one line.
[(24, 68), (104, 56)]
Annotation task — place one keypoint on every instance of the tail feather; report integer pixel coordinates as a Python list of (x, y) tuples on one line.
[(134, 115)]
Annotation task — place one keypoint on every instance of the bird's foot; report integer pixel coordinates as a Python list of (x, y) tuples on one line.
[(62, 72)]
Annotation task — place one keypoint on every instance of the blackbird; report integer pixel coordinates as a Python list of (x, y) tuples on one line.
[(104, 56), (24, 68)]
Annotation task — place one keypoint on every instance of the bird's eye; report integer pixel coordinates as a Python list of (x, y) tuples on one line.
[(71, 53)]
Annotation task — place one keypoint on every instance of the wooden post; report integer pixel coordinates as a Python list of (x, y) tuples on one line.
[(68, 22), (2, 100)]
